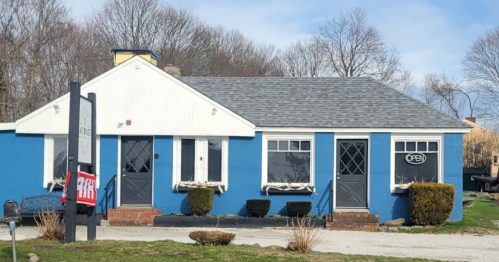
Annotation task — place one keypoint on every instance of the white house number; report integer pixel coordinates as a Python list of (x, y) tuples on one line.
[(415, 158)]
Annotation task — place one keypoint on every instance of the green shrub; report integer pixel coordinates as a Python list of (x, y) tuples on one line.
[(299, 208), (258, 207), (430, 203), (200, 200), (212, 238)]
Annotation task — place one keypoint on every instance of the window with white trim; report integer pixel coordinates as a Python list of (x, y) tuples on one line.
[(416, 160), (288, 159), (56, 158), (200, 160)]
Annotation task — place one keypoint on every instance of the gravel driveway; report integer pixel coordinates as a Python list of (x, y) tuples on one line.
[(443, 247)]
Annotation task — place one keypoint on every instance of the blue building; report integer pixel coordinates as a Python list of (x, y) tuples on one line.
[(342, 143)]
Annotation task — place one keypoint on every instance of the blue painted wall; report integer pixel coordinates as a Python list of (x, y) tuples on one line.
[(453, 171), (392, 206), (245, 155), (245, 158), (21, 159), (108, 168), (382, 202)]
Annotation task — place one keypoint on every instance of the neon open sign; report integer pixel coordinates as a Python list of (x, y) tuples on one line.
[(415, 158)]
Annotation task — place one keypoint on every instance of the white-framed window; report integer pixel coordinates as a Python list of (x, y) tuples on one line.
[(288, 159), (56, 158), (477, 148), (200, 160), (416, 159)]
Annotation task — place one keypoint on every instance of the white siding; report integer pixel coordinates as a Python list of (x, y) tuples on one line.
[(155, 102)]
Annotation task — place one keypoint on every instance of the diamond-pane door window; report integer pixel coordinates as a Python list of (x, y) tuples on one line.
[(138, 158)]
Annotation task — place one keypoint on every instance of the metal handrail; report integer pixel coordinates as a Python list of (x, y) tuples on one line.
[(113, 183)]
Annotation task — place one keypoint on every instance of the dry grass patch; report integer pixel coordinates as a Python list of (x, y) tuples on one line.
[(51, 226), (303, 236)]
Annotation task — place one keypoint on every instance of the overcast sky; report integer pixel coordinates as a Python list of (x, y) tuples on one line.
[(431, 36)]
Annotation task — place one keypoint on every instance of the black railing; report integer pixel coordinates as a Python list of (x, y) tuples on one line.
[(331, 199), (112, 194)]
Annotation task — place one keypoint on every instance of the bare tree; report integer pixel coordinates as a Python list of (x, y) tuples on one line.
[(448, 95), (30, 31), (304, 58), (481, 67)]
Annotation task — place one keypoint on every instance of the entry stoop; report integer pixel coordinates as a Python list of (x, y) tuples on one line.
[(132, 216), (354, 221)]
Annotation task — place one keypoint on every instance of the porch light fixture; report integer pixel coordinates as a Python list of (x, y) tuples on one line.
[(214, 111), (57, 108)]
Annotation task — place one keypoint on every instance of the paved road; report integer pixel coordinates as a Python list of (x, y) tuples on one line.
[(443, 247)]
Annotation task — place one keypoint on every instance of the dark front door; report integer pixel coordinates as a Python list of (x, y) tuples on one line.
[(136, 170), (351, 174)]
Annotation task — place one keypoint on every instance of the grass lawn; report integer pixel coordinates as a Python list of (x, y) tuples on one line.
[(476, 220), (165, 251)]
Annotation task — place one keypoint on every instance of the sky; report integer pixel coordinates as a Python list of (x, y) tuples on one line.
[(431, 36)]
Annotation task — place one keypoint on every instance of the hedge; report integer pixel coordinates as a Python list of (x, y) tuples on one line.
[(200, 200), (258, 207), (430, 203), (299, 208)]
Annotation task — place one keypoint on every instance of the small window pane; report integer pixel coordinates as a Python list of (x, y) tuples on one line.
[(410, 146), (295, 145), (288, 167), (432, 146), (60, 157), (421, 146), (305, 145), (272, 145), (283, 145), (187, 157), (477, 148), (214, 160), (399, 146)]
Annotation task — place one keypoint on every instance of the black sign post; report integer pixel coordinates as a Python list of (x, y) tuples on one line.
[(91, 223), (81, 156)]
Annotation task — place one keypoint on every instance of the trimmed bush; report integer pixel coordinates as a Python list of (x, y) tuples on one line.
[(430, 203), (258, 207), (299, 208), (200, 200), (211, 238)]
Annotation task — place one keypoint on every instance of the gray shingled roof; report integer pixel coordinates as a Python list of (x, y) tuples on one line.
[(359, 102)]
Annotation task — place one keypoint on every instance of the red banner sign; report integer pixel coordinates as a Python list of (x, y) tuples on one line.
[(86, 189)]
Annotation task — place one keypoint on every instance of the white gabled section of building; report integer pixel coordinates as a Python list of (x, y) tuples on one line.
[(7, 126), (154, 103)]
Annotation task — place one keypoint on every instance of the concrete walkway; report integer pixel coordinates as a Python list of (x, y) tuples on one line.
[(442, 247)]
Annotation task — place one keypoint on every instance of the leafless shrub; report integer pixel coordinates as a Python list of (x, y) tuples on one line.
[(211, 238), (51, 226), (303, 236)]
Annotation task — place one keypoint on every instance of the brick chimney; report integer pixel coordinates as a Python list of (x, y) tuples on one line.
[(471, 119), (172, 70)]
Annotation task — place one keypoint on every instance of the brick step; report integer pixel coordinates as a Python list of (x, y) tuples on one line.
[(358, 217), (131, 222), (132, 216), (352, 226), (131, 210)]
